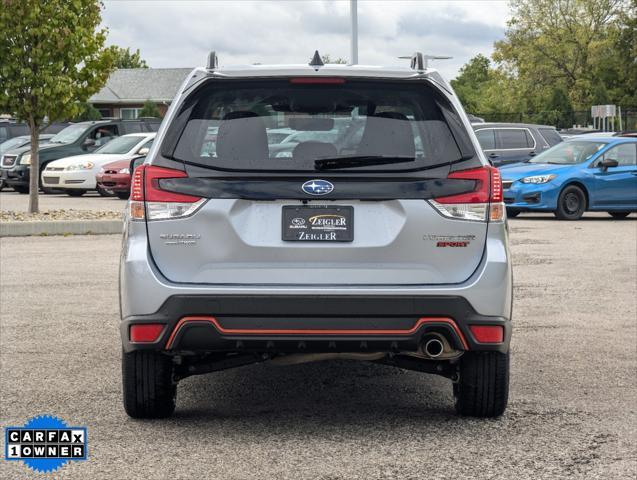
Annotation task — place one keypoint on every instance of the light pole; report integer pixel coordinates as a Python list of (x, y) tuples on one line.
[(353, 8)]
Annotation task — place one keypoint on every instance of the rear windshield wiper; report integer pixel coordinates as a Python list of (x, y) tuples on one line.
[(359, 161)]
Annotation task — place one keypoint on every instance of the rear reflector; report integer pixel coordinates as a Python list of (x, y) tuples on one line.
[(317, 80), (487, 333), (145, 332)]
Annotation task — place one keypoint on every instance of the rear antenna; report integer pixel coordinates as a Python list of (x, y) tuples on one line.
[(213, 61), (316, 60)]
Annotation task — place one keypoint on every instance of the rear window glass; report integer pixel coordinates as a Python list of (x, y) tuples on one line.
[(238, 126), (550, 135), (510, 138)]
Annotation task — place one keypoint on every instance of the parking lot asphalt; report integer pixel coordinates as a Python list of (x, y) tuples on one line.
[(572, 410), (10, 200)]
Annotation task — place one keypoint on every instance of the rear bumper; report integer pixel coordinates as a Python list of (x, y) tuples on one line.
[(251, 316), (302, 323)]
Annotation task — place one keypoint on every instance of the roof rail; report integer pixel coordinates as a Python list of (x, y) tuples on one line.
[(420, 62), (213, 61)]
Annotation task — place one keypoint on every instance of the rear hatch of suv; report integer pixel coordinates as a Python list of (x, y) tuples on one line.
[(385, 187)]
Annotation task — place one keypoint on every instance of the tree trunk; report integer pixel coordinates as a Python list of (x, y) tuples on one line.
[(34, 174)]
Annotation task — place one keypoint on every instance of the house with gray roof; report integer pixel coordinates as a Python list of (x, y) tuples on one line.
[(128, 89)]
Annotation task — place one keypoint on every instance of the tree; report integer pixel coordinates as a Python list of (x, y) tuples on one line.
[(149, 110), (559, 110), (471, 80), (327, 59), (48, 66), (124, 58), (486, 90), (553, 43), (87, 112)]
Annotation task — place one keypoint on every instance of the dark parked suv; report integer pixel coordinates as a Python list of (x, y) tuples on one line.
[(76, 139), (10, 129), (505, 143)]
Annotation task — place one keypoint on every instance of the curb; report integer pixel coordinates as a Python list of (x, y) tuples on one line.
[(61, 227)]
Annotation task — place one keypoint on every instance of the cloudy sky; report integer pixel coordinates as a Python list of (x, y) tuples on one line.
[(181, 33)]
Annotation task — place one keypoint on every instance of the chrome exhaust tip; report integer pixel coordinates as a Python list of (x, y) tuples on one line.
[(434, 347)]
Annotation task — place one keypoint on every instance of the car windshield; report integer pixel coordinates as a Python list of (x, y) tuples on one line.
[(12, 143), (341, 118), (120, 145), (571, 152), (69, 134)]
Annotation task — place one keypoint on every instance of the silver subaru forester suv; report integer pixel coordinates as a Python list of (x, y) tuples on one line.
[(375, 231)]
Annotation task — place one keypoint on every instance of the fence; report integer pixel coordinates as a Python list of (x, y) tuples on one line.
[(561, 120)]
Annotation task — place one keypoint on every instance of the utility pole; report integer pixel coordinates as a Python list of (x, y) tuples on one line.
[(353, 8)]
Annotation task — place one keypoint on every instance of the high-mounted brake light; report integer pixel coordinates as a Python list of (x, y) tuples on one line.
[(483, 203), (149, 201), (317, 80)]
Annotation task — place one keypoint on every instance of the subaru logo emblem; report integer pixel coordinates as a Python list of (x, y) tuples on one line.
[(318, 187)]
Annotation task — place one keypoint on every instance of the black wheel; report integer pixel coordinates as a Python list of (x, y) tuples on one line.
[(149, 390), (2, 184), (619, 215), (75, 193), (122, 195), (21, 189), (571, 203), (105, 193), (512, 212), (483, 387)]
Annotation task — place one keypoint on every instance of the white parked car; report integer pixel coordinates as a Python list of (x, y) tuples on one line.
[(76, 175)]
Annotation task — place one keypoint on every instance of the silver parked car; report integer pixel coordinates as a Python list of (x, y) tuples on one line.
[(391, 248)]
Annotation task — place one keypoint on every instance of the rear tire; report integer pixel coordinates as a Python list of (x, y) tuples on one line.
[(512, 213), (149, 390), (75, 193), (21, 189), (105, 193), (483, 387), (122, 195), (571, 203), (619, 215)]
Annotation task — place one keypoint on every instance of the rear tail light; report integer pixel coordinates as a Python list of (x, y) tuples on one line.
[(482, 204), (148, 200)]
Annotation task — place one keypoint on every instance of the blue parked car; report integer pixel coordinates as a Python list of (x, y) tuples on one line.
[(582, 174)]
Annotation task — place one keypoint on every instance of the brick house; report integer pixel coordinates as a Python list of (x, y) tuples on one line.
[(128, 89)]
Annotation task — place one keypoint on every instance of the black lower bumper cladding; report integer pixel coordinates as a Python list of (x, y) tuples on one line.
[(304, 323)]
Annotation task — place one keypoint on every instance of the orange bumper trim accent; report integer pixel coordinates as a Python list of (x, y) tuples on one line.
[(288, 331)]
